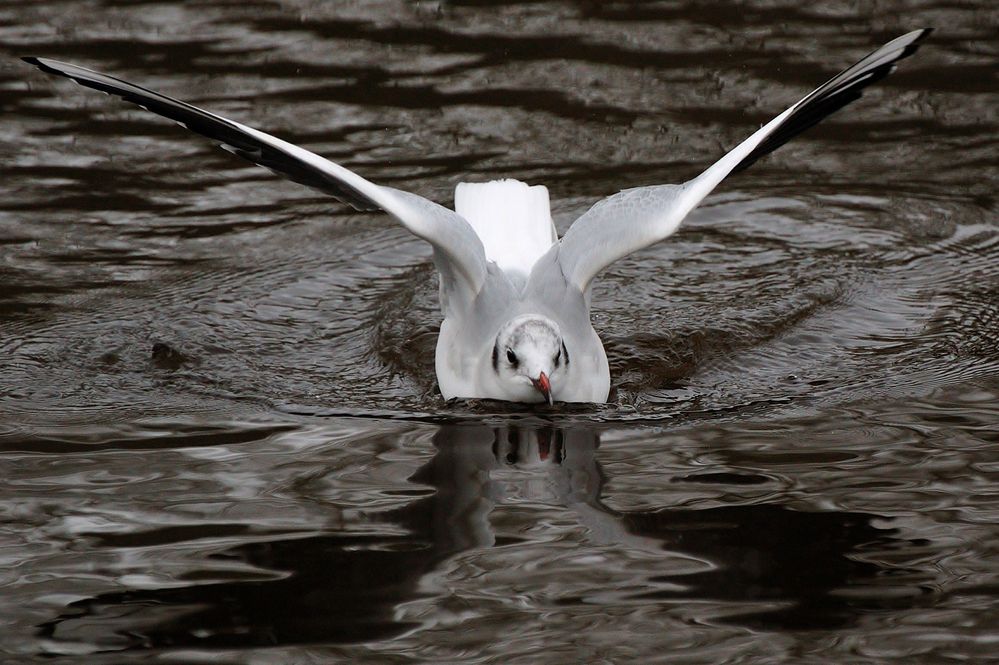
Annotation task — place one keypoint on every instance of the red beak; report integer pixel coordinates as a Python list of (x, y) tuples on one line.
[(544, 387)]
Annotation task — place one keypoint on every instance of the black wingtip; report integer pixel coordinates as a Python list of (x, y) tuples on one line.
[(916, 38), (253, 146), (837, 92), (65, 69), (43, 64)]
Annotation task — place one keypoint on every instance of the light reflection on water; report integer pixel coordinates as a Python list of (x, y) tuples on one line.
[(219, 429), (363, 540)]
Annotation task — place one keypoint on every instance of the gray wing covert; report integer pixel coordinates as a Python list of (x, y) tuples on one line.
[(618, 225)]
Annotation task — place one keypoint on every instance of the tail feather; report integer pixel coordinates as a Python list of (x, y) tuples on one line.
[(512, 219)]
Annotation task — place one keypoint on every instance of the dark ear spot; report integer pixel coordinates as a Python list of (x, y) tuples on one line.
[(565, 354), (496, 357)]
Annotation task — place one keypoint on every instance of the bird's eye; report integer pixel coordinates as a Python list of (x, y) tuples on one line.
[(512, 357), (557, 358)]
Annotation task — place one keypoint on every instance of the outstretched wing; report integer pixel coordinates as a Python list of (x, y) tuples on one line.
[(458, 251), (636, 218)]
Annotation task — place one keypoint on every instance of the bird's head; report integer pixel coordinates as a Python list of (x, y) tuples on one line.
[(530, 358)]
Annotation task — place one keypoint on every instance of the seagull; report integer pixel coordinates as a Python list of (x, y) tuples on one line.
[(515, 298)]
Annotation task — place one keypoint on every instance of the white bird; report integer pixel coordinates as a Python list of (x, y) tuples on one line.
[(515, 298)]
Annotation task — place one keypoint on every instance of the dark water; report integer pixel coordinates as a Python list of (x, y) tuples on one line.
[(220, 437)]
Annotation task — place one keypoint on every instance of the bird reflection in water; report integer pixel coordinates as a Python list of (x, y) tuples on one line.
[(345, 587)]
